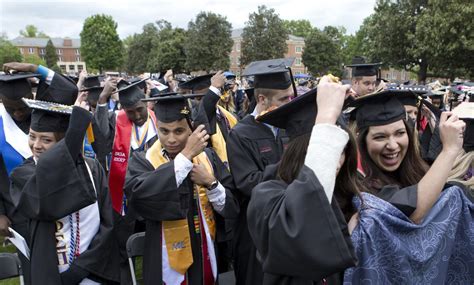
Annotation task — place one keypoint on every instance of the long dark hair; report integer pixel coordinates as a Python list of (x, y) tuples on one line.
[(348, 183), (411, 170)]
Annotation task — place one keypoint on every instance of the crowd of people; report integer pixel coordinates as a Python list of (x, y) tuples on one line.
[(359, 181)]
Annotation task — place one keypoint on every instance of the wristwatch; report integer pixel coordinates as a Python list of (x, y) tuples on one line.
[(213, 185)]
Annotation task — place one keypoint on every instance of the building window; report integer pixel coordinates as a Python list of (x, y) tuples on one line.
[(63, 68), (60, 58), (80, 67), (78, 58), (237, 46), (42, 51), (43, 58), (238, 60), (72, 67), (31, 50), (21, 50), (298, 49), (77, 52), (298, 61), (59, 51)]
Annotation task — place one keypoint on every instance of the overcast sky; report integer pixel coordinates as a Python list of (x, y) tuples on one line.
[(64, 18)]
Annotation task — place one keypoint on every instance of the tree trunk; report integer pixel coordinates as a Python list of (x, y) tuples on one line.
[(422, 72)]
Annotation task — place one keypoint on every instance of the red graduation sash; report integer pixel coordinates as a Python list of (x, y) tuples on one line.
[(120, 155)]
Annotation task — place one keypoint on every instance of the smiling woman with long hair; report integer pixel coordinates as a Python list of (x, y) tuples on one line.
[(394, 169)]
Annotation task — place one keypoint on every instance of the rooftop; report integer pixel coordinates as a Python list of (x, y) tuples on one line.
[(237, 33), (41, 42)]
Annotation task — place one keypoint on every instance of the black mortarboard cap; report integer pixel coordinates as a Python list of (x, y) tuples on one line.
[(92, 86), (197, 83), (139, 81), (130, 94), (413, 95), (379, 109), (15, 86), (90, 82), (465, 111), (296, 117), (361, 68), (61, 90), (48, 116), (271, 74), (172, 107)]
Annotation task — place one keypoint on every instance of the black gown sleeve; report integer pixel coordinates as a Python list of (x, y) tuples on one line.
[(154, 194), (296, 231), (105, 122), (206, 112), (242, 163), (59, 184)]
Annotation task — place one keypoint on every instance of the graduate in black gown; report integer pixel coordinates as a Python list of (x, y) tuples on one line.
[(66, 200), (297, 218), (251, 146), (15, 119), (183, 191)]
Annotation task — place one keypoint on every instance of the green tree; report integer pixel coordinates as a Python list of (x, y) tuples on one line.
[(8, 52), (264, 36), (299, 28), (168, 49), (429, 37), (31, 31), (139, 47), (33, 58), (209, 42), (323, 51), (51, 56), (101, 46)]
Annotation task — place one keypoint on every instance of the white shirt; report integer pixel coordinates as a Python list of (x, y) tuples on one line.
[(182, 167)]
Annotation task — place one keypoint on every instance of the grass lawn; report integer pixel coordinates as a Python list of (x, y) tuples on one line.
[(16, 281)]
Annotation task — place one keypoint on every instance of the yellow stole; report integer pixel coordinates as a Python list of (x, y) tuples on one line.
[(217, 139), (176, 233)]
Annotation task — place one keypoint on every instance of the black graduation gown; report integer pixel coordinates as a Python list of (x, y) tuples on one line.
[(57, 186), (206, 115), (301, 238), (430, 144), (251, 147), (156, 198)]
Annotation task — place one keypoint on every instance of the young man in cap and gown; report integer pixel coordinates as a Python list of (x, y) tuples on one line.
[(131, 129), (251, 147), (183, 191)]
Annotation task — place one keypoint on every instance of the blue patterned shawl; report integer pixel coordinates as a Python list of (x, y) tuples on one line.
[(393, 250)]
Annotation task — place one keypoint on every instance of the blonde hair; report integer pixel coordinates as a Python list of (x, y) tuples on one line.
[(461, 166), (229, 106)]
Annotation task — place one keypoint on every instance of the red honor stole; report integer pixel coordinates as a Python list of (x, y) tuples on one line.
[(120, 155)]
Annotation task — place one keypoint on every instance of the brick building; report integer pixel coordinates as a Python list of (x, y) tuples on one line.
[(295, 49), (68, 51)]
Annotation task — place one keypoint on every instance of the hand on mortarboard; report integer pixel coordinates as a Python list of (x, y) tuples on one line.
[(19, 66), (169, 75), (218, 80), (330, 100), (110, 86), (196, 143)]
